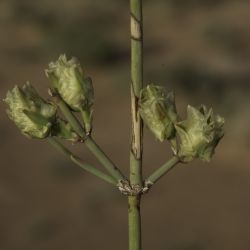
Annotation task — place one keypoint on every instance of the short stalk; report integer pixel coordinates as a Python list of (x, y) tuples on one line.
[(161, 171), (87, 167), (75, 124), (104, 159), (86, 117)]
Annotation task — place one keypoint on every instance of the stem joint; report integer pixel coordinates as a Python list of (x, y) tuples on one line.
[(128, 189)]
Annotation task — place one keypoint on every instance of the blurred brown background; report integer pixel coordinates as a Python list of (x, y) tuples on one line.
[(199, 48)]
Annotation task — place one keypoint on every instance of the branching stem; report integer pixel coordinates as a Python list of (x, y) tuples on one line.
[(89, 168), (89, 142), (104, 159), (161, 171)]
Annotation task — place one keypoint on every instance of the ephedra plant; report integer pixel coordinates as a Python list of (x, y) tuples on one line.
[(72, 92)]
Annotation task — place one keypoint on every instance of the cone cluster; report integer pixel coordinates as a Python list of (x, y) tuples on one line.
[(195, 137), (38, 118)]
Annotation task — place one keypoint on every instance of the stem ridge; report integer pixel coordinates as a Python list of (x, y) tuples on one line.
[(136, 183)]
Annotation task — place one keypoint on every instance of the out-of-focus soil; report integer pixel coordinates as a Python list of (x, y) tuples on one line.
[(201, 49)]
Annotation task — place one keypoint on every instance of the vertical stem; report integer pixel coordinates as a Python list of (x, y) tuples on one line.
[(134, 218), (136, 86), (134, 222)]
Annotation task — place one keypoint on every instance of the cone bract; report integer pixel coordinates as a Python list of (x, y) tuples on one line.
[(68, 79), (158, 111), (199, 134), (32, 115), (63, 130)]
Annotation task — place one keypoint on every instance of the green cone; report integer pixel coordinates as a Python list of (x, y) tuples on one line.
[(76, 90), (158, 111), (32, 115), (199, 134)]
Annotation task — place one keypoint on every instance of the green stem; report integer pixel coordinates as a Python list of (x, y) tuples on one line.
[(87, 120), (161, 171), (75, 124), (89, 142), (104, 159), (134, 222), (134, 218), (62, 149)]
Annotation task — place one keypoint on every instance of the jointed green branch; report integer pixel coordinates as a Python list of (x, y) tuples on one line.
[(75, 124), (104, 159), (134, 217), (89, 168), (161, 171), (136, 86), (89, 142)]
